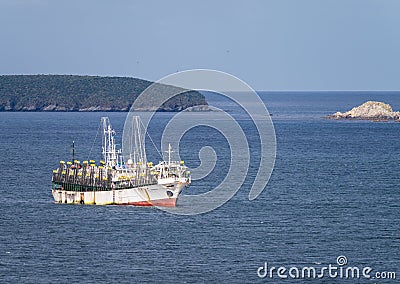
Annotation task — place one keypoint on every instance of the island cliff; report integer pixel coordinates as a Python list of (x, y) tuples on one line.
[(86, 93), (375, 111)]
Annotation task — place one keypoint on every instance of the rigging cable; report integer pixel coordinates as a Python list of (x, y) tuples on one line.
[(147, 132), (94, 141)]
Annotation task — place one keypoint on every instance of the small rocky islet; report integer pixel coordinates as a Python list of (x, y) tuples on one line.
[(370, 110)]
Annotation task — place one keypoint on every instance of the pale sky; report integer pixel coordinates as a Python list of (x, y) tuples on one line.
[(271, 45)]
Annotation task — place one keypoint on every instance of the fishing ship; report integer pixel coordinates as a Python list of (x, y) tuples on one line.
[(116, 182)]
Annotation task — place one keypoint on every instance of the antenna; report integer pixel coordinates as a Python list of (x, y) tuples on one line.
[(73, 151)]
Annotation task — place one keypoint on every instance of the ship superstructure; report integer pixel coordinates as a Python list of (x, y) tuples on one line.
[(114, 181)]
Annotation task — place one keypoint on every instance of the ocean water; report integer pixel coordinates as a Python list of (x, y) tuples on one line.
[(334, 192)]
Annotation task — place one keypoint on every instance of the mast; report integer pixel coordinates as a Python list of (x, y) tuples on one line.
[(137, 147), (169, 154), (110, 155), (73, 151)]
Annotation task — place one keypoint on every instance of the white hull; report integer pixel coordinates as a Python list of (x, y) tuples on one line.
[(152, 195)]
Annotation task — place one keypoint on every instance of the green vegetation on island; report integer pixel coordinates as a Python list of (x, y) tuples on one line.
[(86, 93)]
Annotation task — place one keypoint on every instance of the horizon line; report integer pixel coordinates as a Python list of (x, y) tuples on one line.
[(281, 91), (277, 91)]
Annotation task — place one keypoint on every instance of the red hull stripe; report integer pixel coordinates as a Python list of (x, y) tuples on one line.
[(170, 202)]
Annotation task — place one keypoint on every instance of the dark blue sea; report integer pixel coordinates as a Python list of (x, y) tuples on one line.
[(334, 191)]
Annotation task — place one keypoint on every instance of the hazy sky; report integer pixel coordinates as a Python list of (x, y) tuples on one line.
[(272, 45)]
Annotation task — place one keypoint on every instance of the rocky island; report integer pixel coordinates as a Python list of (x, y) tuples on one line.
[(371, 110), (87, 93)]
